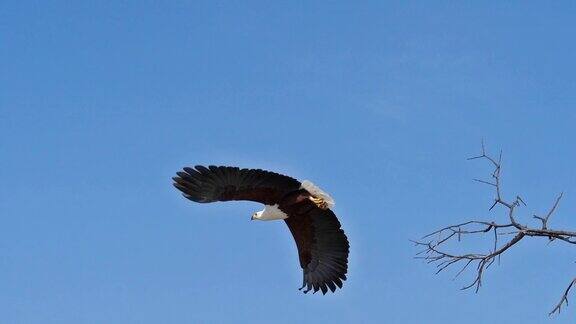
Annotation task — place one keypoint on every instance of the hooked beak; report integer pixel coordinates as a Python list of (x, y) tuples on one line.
[(252, 218)]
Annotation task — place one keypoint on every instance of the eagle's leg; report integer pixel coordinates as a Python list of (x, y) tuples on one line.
[(321, 203)]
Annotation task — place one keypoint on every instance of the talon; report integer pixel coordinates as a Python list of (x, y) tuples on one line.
[(321, 203)]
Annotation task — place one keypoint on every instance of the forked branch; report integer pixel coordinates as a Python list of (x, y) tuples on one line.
[(433, 244)]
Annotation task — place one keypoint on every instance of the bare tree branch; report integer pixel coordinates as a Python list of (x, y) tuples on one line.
[(564, 299), (545, 219), (433, 251)]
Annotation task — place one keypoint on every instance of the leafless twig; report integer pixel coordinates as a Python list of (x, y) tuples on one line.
[(433, 244)]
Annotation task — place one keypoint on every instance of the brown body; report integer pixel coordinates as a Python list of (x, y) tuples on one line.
[(298, 205)]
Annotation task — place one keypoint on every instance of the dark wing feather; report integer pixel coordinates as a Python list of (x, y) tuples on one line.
[(220, 183), (323, 249)]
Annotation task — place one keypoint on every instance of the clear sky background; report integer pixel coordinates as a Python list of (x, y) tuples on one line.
[(379, 104)]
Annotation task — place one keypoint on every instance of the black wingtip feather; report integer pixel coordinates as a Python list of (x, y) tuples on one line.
[(331, 286), (338, 282), (324, 289), (189, 170)]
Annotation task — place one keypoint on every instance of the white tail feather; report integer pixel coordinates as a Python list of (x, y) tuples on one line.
[(318, 193)]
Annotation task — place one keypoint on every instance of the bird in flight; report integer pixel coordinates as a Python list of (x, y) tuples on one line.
[(322, 245)]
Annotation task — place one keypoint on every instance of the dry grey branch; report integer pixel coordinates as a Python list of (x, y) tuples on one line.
[(564, 299), (433, 245)]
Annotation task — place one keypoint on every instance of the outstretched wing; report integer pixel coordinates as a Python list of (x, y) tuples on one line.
[(322, 248), (221, 183)]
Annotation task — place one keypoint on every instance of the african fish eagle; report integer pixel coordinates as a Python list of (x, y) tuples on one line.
[(322, 245)]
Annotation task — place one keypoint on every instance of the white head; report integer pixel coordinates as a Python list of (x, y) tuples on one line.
[(269, 213), (257, 215)]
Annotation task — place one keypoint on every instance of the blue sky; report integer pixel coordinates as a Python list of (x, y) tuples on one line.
[(378, 103)]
